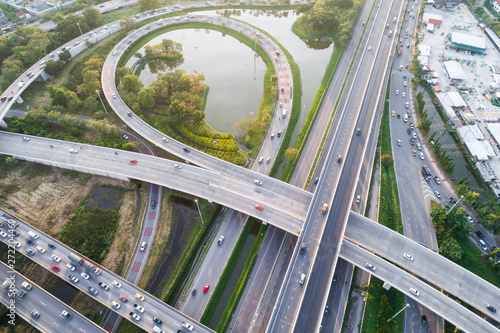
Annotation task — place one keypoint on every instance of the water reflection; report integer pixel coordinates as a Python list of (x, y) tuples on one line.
[(162, 65)]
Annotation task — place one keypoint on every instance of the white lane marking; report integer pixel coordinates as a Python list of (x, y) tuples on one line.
[(55, 324)]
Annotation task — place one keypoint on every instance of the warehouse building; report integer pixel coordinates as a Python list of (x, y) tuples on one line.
[(468, 42)]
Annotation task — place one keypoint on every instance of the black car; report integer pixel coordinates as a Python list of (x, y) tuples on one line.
[(30, 242), (424, 320), (334, 279), (327, 310), (1, 225), (153, 203), (408, 131), (52, 246), (3, 98), (15, 233), (157, 320), (479, 234), (412, 141), (186, 149)]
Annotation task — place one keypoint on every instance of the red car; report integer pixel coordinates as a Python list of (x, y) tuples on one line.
[(206, 288), (229, 4), (56, 268), (123, 299), (133, 161), (259, 207), (406, 66)]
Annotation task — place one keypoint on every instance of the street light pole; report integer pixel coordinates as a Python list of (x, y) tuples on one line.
[(257, 35), (81, 33), (97, 92), (199, 211), (456, 203), (407, 305)]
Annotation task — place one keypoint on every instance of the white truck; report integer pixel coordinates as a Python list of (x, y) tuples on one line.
[(283, 113), (187, 325)]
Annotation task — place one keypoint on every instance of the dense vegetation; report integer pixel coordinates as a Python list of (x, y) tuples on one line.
[(452, 231), (90, 231), (382, 304), (333, 18), (68, 128)]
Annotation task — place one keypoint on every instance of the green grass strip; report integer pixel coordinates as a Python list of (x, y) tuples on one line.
[(242, 281)]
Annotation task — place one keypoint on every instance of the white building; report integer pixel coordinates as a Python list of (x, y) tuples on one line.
[(496, 5)]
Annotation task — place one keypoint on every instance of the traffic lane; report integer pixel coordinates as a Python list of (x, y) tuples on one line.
[(250, 303), (339, 291), (429, 297), (427, 264), (48, 306), (212, 266), (193, 180), (105, 297), (413, 317)]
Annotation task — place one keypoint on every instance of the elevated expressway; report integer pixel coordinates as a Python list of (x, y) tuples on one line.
[(283, 204), (171, 317), (194, 177), (40, 300), (362, 231)]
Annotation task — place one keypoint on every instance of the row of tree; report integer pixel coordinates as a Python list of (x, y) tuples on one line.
[(333, 18)]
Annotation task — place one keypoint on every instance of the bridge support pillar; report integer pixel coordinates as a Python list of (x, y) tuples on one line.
[(3, 124)]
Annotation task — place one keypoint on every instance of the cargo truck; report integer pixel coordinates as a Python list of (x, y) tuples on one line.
[(13, 290), (283, 113), (75, 259)]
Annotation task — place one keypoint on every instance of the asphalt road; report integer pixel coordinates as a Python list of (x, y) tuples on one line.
[(171, 317), (48, 307), (428, 295), (427, 264), (283, 204), (213, 265), (313, 300)]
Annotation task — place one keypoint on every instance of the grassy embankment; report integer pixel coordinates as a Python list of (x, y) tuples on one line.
[(382, 304)]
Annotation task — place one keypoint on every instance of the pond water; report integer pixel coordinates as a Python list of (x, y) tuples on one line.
[(234, 75)]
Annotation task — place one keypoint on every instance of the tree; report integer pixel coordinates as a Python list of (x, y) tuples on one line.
[(91, 104), (177, 111), (146, 99), (93, 17), (451, 249), (149, 4), (65, 55), (127, 22), (12, 69), (291, 153), (11, 161), (91, 83), (52, 67), (131, 83), (386, 160), (198, 116)]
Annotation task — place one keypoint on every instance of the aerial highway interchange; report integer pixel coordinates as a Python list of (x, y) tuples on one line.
[(221, 187)]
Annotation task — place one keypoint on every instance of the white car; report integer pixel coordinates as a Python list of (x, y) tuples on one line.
[(421, 155), (70, 267), (73, 151), (139, 308), (414, 291), (404, 83), (116, 284), (470, 219), (25, 138), (438, 195), (85, 276), (135, 316), (40, 249), (404, 94), (26, 285), (408, 256), (73, 278), (177, 166), (18, 245), (115, 305), (220, 240), (165, 139), (55, 258), (397, 92), (370, 266), (143, 247), (407, 105), (399, 142), (3, 234)]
